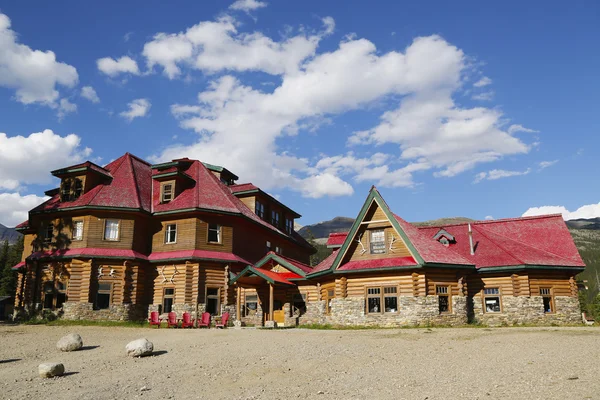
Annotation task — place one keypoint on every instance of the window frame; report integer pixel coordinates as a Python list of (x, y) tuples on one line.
[(275, 218), (75, 222), (106, 221), (448, 294), (381, 296), (219, 234), (295, 297), (485, 296), (258, 205), (289, 225), (109, 292), (549, 295), (371, 232), (49, 233), (168, 296), (246, 302), (167, 231), (212, 296), (162, 191), (329, 295)]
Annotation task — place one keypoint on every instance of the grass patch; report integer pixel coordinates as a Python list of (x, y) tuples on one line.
[(324, 327), (64, 322)]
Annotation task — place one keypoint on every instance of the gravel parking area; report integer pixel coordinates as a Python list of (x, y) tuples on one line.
[(470, 363)]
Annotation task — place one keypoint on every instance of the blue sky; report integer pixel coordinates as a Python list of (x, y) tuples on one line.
[(469, 109)]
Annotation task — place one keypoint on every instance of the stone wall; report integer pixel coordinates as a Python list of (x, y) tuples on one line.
[(179, 309), (412, 311), (116, 312), (529, 310)]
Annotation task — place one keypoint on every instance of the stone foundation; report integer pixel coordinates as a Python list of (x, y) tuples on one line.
[(529, 310), (179, 309), (116, 312)]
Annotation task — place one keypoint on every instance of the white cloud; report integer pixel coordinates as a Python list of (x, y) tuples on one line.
[(520, 128), (243, 124), (587, 211), (546, 164), (325, 184), (88, 92), (29, 160), (33, 74), (499, 174), (485, 96), (247, 5), (14, 208), (329, 24), (65, 107), (485, 81), (137, 108), (113, 68), (489, 218)]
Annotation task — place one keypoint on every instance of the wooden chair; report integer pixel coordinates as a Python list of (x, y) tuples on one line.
[(187, 321), (172, 320), (224, 320), (205, 321), (154, 320)]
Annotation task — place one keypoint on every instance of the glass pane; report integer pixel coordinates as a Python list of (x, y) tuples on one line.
[(212, 291), (78, 230), (391, 289), (391, 304), (441, 289), (213, 233), (103, 300), (169, 292), (104, 286), (374, 290), (60, 299), (492, 304), (167, 304), (111, 230), (547, 304), (444, 304), (330, 293), (491, 291), (48, 300), (377, 242), (48, 287), (374, 304)]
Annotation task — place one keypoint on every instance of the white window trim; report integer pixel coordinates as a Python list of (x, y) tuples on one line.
[(167, 234)]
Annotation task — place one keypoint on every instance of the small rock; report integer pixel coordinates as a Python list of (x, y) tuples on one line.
[(144, 389), (71, 342), (139, 348), (51, 369), (320, 392), (573, 377)]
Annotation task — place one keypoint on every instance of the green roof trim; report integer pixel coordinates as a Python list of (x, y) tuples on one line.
[(254, 271), (102, 208), (524, 267), (281, 261)]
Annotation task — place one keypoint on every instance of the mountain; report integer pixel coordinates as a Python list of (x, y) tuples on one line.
[(585, 233), (9, 234)]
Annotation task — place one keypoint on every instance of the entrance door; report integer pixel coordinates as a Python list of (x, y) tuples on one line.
[(278, 313)]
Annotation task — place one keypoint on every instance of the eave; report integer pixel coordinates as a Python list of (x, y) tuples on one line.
[(524, 267), (271, 198)]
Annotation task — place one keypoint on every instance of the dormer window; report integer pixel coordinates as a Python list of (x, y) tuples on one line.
[(71, 189), (444, 237), (289, 226), (167, 190), (259, 208), (275, 218), (444, 240)]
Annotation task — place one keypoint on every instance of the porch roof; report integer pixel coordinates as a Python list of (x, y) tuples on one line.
[(269, 276)]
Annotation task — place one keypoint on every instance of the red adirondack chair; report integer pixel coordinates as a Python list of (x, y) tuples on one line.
[(224, 319), (154, 320), (172, 320), (205, 321), (187, 321)]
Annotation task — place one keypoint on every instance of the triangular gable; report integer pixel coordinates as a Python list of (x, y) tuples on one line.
[(285, 266), (267, 275), (444, 233), (374, 198)]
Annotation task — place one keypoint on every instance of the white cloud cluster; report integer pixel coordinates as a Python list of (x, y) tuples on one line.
[(88, 92), (247, 5), (587, 211), (242, 124), (137, 108), (499, 174), (546, 164), (485, 81), (33, 74), (14, 207), (113, 68)]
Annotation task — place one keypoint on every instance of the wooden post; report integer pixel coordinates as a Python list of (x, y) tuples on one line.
[(270, 302), (237, 302)]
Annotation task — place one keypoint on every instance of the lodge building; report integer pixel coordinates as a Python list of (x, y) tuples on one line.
[(120, 241)]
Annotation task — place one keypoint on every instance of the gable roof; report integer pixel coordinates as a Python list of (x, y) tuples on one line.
[(249, 188), (269, 276), (526, 241), (129, 188), (293, 265)]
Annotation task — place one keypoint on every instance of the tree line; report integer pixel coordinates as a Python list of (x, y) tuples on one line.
[(10, 255)]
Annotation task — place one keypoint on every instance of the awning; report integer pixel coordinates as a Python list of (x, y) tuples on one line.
[(18, 266), (267, 275)]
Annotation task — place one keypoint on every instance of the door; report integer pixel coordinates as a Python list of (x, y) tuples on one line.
[(278, 313)]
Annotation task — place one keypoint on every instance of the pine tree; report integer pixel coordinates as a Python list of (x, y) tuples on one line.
[(8, 277), (4, 250)]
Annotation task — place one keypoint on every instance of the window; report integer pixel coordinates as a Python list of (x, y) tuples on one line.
[(299, 301), (78, 189), (491, 300), (61, 294), (548, 299), (167, 192), (268, 246), (111, 229), (213, 301), (54, 295), (259, 208), (103, 297), (168, 296), (214, 233), (171, 234), (289, 226), (386, 295), (443, 294), (49, 233), (251, 305), (444, 241), (77, 230), (65, 190), (377, 241), (275, 218), (278, 250), (71, 189), (48, 295), (328, 300)]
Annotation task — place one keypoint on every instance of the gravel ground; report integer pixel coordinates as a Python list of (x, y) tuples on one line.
[(508, 363)]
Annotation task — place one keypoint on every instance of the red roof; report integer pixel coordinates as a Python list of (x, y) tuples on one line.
[(87, 252), (378, 263), (130, 187), (23, 225), (431, 250), (336, 238), (275, 276), (198, 254), (326, 263), (541, 240), (19, 265), (242, 187), (301, 266)]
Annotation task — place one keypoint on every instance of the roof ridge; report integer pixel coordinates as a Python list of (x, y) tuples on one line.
[(130, 157), (138, 158), (491, 221), (524, 244), (500, 247)]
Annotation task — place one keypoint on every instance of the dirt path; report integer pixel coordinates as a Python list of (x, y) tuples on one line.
[(515, 363)]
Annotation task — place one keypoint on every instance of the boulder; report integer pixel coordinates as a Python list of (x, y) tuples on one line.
[(51, 369), (139, 348), (71, 342)]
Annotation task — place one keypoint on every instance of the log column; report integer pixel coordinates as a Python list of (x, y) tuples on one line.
[(237, 302), (270, 302)]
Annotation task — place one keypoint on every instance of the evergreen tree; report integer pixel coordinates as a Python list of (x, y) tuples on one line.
[(9, 257)]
